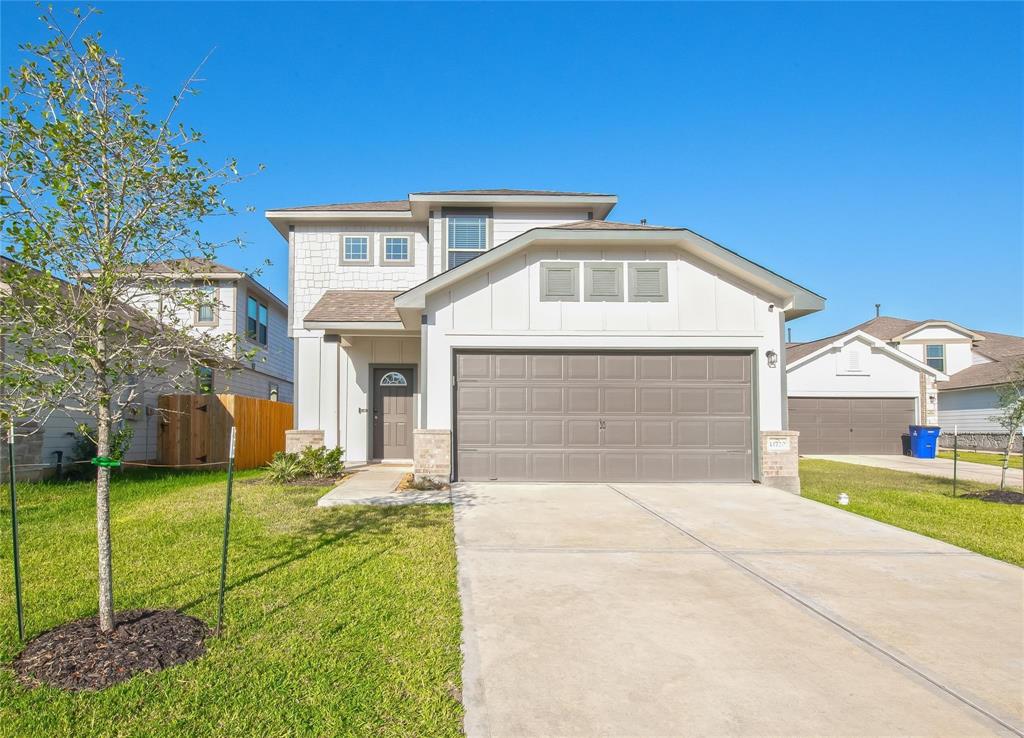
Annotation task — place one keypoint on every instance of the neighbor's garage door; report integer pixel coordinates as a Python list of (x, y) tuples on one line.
[(843, 425), (603, 417)]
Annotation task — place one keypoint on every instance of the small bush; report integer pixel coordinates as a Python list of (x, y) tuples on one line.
[(425, 484), (322, 463), (313, 462), (284, 467)]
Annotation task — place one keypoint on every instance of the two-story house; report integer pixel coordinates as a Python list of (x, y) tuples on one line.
[(259, 363), (520, 335), (857, 391)]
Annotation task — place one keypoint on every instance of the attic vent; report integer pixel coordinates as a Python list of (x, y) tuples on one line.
[(648, 282), (559, 281), (853, 361), (604, 282)]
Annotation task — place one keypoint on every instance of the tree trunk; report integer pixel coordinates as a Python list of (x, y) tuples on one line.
[(106, 575), (1006, 458)]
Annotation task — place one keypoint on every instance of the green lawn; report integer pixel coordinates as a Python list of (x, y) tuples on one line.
[(921, 504), (340, 621), (982, 458)]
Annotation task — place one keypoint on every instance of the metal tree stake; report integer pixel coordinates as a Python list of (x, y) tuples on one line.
[(14, 535), (227, 529), (955, 455)]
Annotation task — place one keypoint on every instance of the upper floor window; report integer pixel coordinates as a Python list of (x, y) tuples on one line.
[(256, 321), (355, 248), (935, 356), (396, 249), (467, 237), (205, 314)]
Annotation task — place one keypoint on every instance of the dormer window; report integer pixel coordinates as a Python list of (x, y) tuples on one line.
[(467, 237), (935, 356)]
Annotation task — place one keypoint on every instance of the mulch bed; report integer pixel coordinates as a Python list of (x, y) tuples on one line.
[(408, 484), (77, 656), (1004, 496), (304, 482)]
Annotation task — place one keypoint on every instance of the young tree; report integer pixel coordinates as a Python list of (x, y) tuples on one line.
[(96, 198), (1011, 413)]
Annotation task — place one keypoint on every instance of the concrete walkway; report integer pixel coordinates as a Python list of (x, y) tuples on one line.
[(935, 467), (375, 485), (725, 610)]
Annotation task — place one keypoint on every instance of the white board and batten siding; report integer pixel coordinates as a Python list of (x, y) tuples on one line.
[(705, 310), (854, 370), (969, 410)]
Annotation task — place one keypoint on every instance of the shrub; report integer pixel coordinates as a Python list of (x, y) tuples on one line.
[(284, 467), (321, 463), (426, 484), (84, 449)]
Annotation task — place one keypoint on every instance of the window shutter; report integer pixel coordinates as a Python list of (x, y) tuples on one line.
[(560, 282), (603, 282), (648, 282)]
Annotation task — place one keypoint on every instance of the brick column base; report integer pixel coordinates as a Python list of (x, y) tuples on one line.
[(432, 454), (296, 440), (780, 460)]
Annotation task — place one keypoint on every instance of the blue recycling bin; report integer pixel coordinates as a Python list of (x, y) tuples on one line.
[(924, 441)]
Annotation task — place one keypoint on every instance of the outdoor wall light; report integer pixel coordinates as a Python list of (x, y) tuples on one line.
[(773, 359)]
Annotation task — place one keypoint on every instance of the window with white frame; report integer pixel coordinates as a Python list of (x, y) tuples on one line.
[(467, 238), (396, 249), (935, 356), (355, 248), (205, 314)]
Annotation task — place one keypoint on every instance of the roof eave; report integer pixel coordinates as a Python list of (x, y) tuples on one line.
[(354, 325), (600, 204), (281, 219)]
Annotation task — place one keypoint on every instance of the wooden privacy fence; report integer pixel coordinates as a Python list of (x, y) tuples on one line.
[(195, 429)]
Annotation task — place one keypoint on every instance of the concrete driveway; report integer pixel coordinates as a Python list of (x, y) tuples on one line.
[(934, 467), (725, 610)]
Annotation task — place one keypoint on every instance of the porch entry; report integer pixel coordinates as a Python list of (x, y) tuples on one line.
[(392, 413)]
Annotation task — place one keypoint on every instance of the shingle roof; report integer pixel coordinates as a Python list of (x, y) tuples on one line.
[(984, 375), (555, 193), (1000, 346), (608, 225), (202, 266), (883, 327), (354, 306), (375, 205)]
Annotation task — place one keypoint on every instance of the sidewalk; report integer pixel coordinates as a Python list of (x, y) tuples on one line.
[(375, 485), (935, 467)]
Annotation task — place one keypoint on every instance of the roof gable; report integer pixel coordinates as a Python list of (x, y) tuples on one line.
[(827, 346)]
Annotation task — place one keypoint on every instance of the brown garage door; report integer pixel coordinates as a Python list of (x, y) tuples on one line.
[(846, 425), (585, 417)]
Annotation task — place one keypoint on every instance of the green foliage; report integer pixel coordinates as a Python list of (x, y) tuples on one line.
[(356, 606), (322, 463), (284, 467), (312, 463), (85, 442)]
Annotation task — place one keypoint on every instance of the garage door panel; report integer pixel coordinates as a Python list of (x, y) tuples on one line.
[(583, 433), (474, 400), (582, 368), (547, 432), (851, 425), (585, 400), (546, 367), (690, 368), (620, 433), (583, 467), (618, 400), (510, 399), (619, 368), (603, 417), (508, 432), (692, 401), (547, 400)]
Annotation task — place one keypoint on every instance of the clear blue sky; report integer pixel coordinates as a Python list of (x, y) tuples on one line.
[(871, 152)]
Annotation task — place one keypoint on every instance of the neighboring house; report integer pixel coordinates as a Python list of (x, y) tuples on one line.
[(519, 335), (256, 319), (239, 307), (857, 391)]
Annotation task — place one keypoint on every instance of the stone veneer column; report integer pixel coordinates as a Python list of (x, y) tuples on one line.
[(780, 460), (432, 454), (296, 440)]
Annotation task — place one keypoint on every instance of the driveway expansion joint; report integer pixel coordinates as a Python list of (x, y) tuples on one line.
[(818, 610)]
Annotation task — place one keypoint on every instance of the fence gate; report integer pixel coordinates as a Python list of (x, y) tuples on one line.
[(195, 429)]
